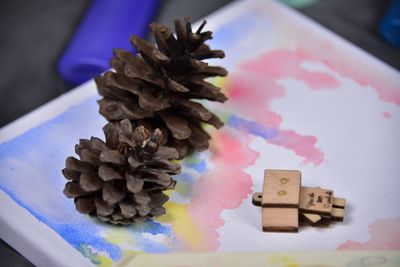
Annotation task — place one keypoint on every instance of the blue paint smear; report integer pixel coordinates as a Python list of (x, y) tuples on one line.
[(151, 227), (184, 186), (197, 164), (154, 228), (252, 128), (184, 178), (241, 37), (155, 247)]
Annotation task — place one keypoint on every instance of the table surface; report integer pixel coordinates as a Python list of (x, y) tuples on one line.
[(29, 77)]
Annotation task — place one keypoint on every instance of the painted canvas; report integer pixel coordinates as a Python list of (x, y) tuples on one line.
[(300, 97)]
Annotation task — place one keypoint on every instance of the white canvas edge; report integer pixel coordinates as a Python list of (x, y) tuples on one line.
[(46, 247), (47, 111), (34, 239)]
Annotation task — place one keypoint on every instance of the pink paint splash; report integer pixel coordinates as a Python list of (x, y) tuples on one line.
[(254, 86), (346, 60), (387, 114), (260, 76), (304, 146), (224, 187), (360, 70), (287, 63), (385, 235)]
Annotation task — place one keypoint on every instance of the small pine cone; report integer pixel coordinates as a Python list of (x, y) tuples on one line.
[(158, 85), (122, 180)]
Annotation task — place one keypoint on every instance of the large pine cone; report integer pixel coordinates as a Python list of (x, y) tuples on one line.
[(157, 86), (122, 180)]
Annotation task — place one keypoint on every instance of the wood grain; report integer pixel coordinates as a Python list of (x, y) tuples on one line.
[(280, 219), (281, 188)]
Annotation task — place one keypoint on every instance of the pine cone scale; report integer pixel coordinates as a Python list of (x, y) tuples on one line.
[(112, 156), (90, 182), (176, 87), (166, 165), (180, 31), (199, 138), (84, 205), (152, 55), (111, 109), (78, 166), (215, 121), (113, 193), (194, 109), (107, 173), (134, 112), (166, 153), (177, 125), (136, 74), (73, 189), (158, 36), (148, 101), (109, 92), (87, 155), (71, 174), (155, 176), (182, 146), (121, 82), (133, 184), (127, 209), (97, 144)]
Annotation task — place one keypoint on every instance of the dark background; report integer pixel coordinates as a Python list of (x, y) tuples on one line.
[(33, 35)]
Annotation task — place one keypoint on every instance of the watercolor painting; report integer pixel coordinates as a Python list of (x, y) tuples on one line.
[(299, 98)]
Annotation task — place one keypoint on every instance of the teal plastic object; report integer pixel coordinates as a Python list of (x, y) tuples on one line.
[(108, 24)]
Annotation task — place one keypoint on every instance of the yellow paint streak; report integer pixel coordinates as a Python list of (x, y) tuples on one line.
[(220, 82), (181, 188), (119, 236), (183, 226), (105, 261), (283, 261)]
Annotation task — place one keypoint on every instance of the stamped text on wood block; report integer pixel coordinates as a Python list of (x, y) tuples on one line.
[(281, 188), (316, 200)]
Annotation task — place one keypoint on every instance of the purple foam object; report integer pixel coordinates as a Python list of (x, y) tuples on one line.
[(108, 24)]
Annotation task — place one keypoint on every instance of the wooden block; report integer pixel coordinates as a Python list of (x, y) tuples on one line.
[(315, 220), (257, 199), (325, 221), (337, 214), (312, 219), (316, 200), (339, 202), (281, 188), (280, 219)]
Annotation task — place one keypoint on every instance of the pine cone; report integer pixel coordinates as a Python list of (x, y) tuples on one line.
[(156, 87), (122, 180)]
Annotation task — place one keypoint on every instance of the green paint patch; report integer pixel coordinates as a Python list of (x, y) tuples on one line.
[(95, 257)]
